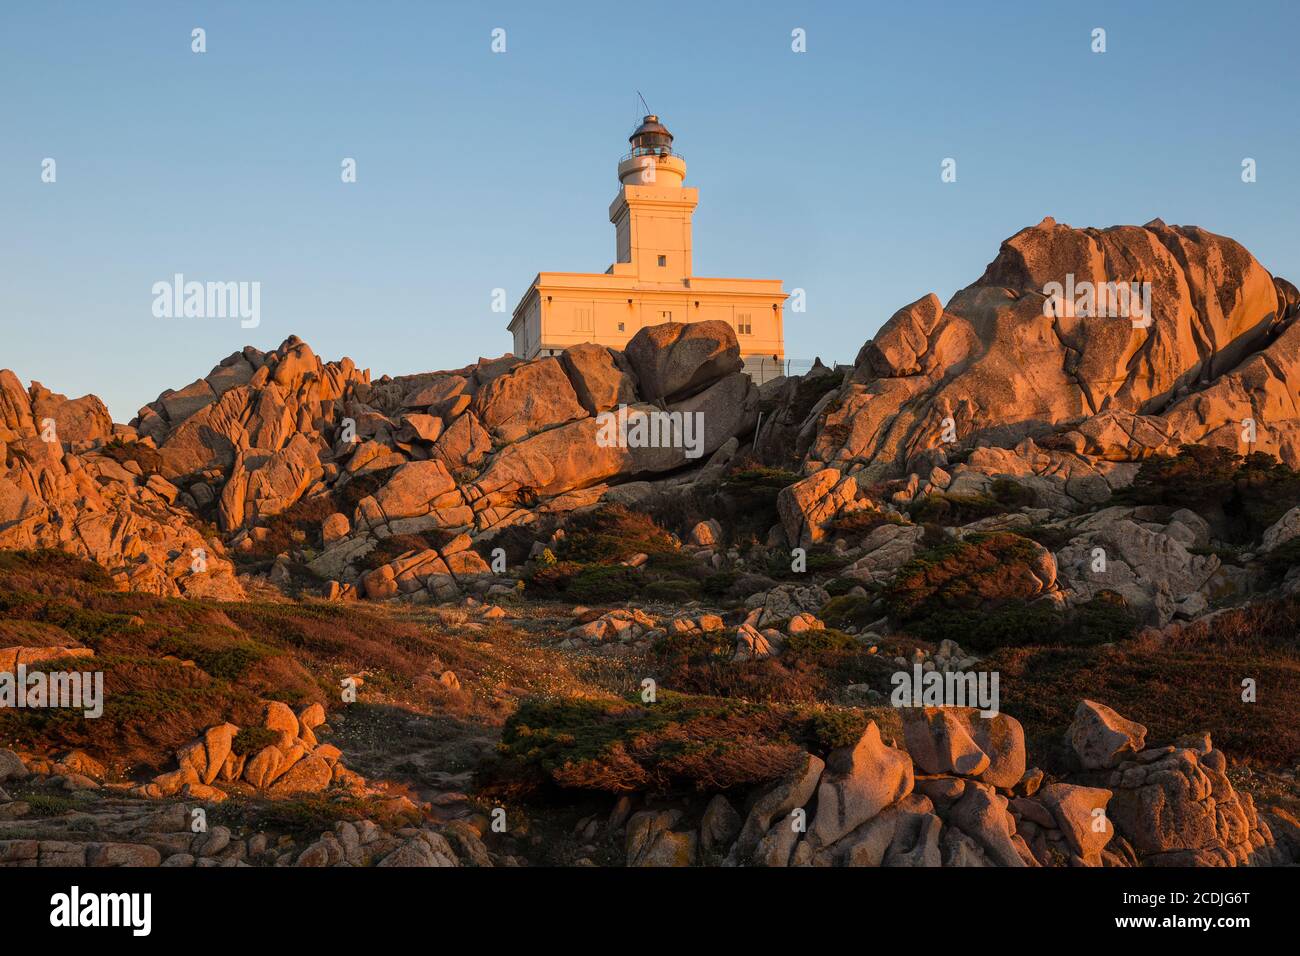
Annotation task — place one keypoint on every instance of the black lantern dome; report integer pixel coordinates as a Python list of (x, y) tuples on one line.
[(651, 137)]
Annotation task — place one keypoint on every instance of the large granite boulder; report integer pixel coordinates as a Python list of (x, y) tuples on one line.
[(1015, 355), (674, 359)]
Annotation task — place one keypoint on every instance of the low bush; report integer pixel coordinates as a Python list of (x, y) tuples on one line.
[(978, 573), (810, 391), (954, 510), (838, 587), (859, 524), (1173, 682), (251, 740), (1279, 561), (1239, 496), (616, 746), (819, 559), (612, 534), (836, 727), (848, 611), (1013, 625), (390, 548), (120, 450)]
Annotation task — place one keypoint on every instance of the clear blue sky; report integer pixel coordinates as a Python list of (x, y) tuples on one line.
[(478, 170)]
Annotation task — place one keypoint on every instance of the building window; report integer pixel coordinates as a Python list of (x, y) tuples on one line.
[(744, 323), (582, 320), (663, 260), (665, 316)]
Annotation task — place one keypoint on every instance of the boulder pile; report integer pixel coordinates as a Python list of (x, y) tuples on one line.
[(956, 791), (458, 455), (112, 829)]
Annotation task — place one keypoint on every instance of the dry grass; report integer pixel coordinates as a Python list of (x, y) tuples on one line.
[(1175, 683)]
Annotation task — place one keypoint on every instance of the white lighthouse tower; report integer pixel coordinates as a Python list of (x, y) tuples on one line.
[(652, 279), (652, 211)]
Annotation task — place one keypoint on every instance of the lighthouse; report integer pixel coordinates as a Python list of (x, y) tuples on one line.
[(652, 211), (651, 280)]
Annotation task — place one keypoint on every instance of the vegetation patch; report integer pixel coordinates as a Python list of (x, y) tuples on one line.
[(1239, 496), (612, 534), (298, 526), (809, 392), (980, 572), (849, 611), (859, 524), (954, 510), (122, 451), (814, 666), (251, 740), (1173, 683), (616, 746)]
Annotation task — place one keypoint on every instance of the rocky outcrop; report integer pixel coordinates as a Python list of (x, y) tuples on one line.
[(1153, 566), (294, 764), (602, 378), (57, 491), (960, 795), (528, 398), (674, 359), (1047, 343), (252, 400), (467, 451), (113, 829), (1100, 737)]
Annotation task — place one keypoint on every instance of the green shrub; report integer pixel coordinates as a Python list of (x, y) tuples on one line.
[(349, 495), (1239, 496), (672, 591), (1106, 619), (387, 549), (1012, 494), (1013, 625), (859, 524), (602, 584), (1050, 537), (221, 657), (954, 510), (809, 392), (848, 611), (250, 740), (617, 746), (837, 727), (820, 559), (298, 526), (610, 535), (306, 816), (1196, 477), (718, 585), (757, 486), (1281, 560), (977, 573), (817, 641), (51, 804), (149, 459)]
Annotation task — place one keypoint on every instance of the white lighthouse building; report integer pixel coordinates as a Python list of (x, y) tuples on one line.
[(652, 279)]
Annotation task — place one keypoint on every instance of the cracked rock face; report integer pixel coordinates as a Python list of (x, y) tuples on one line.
[(1004, 360), (462, 453)]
